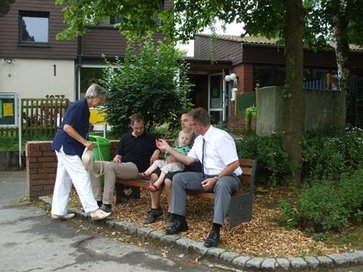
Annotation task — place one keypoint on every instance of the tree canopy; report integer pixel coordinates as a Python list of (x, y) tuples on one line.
[(133, 18), (5, 6), (338, 23), (271, 18)]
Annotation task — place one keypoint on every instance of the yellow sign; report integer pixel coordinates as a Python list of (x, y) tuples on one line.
[(98, 116), (8, 109)]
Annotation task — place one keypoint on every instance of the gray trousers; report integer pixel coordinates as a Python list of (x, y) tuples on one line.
[(124, 170), (191, 181)]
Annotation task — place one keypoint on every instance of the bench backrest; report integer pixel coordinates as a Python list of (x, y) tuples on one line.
[(248, 176)]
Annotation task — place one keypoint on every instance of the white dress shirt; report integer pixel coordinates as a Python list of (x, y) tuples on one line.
[(220, 150)]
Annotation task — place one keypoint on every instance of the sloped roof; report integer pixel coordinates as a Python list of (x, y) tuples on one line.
[(233, 38), (263, 40)]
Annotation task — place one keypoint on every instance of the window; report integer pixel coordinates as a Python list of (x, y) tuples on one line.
[(319, 79), (269, 75), (33, 27), (110, 21)]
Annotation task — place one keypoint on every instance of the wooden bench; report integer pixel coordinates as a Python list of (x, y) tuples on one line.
[(240, 209)]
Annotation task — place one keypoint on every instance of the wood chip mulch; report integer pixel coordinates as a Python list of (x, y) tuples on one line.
[(259, 237)]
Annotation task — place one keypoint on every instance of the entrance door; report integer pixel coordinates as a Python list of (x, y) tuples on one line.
[(217, 103)]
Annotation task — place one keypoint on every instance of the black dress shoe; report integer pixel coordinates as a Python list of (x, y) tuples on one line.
[(176, 226), (152, 215), (106, 208), (213, 239)]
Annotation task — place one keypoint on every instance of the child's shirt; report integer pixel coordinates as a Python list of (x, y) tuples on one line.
[(181, 149)]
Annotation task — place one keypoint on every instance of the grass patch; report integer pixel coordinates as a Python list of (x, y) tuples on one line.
[(8, 143), (350, 237)]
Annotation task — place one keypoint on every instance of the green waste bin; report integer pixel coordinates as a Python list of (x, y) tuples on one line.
[(101, 150)]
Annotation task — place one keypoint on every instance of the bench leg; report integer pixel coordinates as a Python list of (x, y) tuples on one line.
[(240, 210), (123, 193)]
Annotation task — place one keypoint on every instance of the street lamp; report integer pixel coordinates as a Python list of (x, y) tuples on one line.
[(232, 78)]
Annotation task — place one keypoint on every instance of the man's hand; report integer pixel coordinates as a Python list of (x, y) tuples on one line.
[(89, 145), (117, 159), (163, 145), (209, 183)]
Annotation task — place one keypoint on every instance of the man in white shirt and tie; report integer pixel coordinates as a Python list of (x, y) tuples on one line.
[(220, 174)]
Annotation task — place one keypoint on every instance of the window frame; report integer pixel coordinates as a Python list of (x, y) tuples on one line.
[(34, 14)]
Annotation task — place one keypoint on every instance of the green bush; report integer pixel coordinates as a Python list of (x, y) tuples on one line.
[(321, 207), (152, 82), (289, 215), (351, 189), (9, 143), (325, 205), (327, 154), (272, 161)]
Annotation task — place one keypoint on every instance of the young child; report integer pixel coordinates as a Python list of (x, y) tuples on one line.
[(169, 164)]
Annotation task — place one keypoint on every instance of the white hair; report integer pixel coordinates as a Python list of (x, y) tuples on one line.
[(95, 90)]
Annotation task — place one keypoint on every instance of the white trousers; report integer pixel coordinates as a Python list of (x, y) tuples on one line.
[(70, 170)]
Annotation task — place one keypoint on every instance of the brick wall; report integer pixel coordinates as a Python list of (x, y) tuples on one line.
[(245, 80), (41, 167)]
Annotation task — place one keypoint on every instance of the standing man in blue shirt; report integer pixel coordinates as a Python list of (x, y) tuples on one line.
[(217, 152), (69, 144)]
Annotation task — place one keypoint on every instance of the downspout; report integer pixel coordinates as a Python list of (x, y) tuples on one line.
[(78, 66)]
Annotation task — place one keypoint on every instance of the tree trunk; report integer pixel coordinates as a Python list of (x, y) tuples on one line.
[(342, 59), (293, 95)]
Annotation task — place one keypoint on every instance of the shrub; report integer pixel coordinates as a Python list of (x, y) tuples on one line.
[(325, 205), (272, 161), (351, 189), (321, 207), (152, 82), (289, 215), (327, 154)]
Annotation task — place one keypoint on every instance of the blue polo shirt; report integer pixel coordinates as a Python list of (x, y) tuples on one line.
[(77, 115)]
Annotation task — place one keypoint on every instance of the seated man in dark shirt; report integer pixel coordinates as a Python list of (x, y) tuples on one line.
[(135, 153)]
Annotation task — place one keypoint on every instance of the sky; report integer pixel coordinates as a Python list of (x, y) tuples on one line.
[(231, 29)]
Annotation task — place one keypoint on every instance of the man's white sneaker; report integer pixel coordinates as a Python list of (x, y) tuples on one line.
[(99, 215), (63, 217)]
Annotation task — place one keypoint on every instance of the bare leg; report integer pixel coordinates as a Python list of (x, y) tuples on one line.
[(167, 190), (155, 197), (160, 180), (151, 169)]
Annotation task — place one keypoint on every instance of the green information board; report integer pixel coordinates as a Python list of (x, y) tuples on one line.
[(8, 110)]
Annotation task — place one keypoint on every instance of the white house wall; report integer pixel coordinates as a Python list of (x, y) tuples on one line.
[(32, 78)]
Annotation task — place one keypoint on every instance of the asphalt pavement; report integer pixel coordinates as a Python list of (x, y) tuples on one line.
[(31, 241)]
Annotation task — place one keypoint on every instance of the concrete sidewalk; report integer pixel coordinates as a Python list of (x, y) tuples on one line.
[(12, 187)]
